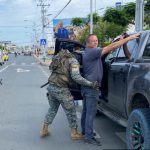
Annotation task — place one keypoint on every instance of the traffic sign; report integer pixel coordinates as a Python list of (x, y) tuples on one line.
[(42, 41), (118, 4)]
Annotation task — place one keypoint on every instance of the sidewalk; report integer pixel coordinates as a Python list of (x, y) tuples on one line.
[(47, 61)]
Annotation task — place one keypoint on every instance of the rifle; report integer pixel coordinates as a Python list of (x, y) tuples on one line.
[(44, 84), (1, 81)]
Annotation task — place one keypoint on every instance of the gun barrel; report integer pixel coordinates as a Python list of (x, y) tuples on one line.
[(1, 81), (44, 84)]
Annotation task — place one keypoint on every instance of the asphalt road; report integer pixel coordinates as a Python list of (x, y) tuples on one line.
[(23, 105)]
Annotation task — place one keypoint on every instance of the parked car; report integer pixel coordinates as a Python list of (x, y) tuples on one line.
[(50, 52), (28, 53), (5, 57), (125, 91)]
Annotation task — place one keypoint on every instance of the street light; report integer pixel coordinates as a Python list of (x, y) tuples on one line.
[(48, 14), (100, 9), (35, 34)]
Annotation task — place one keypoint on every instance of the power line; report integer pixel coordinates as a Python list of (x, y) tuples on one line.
[(11, 26), (60, 12), (62, 9)]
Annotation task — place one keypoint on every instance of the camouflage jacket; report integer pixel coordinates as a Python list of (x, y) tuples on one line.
[(65, 70)]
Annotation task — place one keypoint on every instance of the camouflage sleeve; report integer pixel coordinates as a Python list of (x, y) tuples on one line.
[(75, 73)]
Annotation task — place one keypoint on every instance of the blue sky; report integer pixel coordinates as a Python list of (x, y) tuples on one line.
[(14, 12)]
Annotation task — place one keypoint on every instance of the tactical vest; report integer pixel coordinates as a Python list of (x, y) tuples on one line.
[(60, 75)]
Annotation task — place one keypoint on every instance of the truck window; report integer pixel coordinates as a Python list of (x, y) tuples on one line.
[(118, 55), (132, 47), (146, 54), (111, 55)]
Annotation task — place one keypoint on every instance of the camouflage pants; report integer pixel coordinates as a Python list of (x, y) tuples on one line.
[(57, 96)]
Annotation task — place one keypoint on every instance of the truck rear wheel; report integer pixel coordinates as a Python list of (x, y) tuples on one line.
[(138, 129)]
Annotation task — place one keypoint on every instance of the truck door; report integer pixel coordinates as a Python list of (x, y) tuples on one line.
[(118, 77), (117, 83)]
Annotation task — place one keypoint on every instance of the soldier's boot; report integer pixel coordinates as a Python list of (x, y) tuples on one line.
[(75, 135), (44, 131)]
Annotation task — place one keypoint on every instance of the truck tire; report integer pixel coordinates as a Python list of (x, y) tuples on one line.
[(138, 130)]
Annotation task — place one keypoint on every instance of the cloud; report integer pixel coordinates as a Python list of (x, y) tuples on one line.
[(14, 12), (81, 8)]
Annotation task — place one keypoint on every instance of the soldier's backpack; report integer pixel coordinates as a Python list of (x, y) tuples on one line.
[(60, 69)]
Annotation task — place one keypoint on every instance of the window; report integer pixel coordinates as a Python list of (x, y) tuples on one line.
[(146, 53), (132, 47), (119, 55), (111, 55)]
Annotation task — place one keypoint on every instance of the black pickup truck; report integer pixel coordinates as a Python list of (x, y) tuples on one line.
[(125, 91)]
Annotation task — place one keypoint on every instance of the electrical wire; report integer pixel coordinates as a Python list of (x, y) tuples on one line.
[(61, 10), (11, 26)]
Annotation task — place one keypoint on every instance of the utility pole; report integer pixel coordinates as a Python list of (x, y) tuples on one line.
[(95, 6), (91, 16), (34, 28), (43, 11), (139, 15), (35, 40)]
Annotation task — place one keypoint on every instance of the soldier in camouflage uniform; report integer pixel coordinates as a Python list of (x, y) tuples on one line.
[(65, 71)]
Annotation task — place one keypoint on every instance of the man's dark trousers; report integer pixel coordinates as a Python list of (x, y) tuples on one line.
[(90, 99)]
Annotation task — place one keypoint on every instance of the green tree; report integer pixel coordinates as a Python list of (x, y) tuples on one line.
[(147, 6), (129, 12), (82, 36), (116, 16), (1, 47), (105, 31), (147, 15), (77, 21), (96, 18), (121, 17)]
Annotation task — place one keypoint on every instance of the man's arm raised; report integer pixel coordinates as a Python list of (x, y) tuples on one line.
[(117, 44)]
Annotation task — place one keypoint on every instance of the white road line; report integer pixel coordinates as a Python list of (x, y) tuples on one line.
[(4, 68), (17, 65), (22, 70), (23, 64)]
